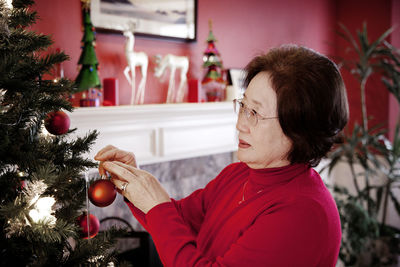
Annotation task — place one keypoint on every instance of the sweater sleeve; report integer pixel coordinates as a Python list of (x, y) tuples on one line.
[(191, 208), (289, 235)]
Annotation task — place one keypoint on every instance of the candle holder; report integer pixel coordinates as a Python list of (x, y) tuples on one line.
[(110, 92)]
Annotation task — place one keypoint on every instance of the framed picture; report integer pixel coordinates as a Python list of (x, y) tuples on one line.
[(174, 19)]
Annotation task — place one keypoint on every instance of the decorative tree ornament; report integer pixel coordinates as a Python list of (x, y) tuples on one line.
[(173, 63), (213, 83), (89, 225), (88, 76), (102, 193), (135, 59), (57, 122)]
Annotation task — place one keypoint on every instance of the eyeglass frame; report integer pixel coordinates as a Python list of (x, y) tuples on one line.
[(248, 112)]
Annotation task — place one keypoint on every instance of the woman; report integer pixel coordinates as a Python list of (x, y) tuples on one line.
[(271, 208)]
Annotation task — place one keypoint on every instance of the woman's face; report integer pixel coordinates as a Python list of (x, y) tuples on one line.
[(262, 145)]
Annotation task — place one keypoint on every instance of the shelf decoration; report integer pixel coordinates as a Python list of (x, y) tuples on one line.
[(213, 82), (88, 80), (173, 63), (110, 92), (135, 59)]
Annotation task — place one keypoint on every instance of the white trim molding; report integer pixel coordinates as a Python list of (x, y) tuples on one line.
[(163, 132)]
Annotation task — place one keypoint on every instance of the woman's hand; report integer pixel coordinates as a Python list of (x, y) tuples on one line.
[(143, 189), (111, 153)]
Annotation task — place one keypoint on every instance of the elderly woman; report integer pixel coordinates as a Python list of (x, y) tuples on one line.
[(271, 208)]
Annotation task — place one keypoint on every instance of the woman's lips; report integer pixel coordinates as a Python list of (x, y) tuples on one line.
[(243, 144)]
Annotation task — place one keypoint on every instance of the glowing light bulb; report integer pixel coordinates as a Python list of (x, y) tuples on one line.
[(43, 211), (9, 4)]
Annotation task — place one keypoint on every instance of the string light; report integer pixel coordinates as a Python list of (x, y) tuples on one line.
[(41, 205), (9, 4), (42, 211)]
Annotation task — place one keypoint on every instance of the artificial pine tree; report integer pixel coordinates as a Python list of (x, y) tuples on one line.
[(42, 192), (212, 83), (88, 77)]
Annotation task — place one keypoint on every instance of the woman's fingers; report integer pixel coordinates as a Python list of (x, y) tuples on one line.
[(102, 171), (107, 153), (120, 185), (119, 171), (100, 154), (111, 153), (133, 169)]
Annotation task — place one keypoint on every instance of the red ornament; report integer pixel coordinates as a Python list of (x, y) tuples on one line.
[(57, 122), (94, 225), (102, 192)]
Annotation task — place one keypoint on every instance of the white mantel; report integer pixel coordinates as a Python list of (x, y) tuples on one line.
[(162, 132)]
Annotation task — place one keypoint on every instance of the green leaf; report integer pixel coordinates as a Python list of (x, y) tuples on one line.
[(395, 202), (363, 38), (349, 37), (379, 41)]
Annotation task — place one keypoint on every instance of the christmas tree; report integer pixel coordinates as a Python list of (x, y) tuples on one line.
[(88, 77), (42, 192), (212, 83)]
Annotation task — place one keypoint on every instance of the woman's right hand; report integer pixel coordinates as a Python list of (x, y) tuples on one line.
[(111, 153)]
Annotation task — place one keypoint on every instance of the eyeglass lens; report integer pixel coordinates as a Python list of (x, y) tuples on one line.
[(240, 108)]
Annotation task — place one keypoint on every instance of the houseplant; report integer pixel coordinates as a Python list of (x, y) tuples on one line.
[(372, 160)]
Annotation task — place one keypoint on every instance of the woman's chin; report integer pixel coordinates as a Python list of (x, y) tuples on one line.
[(241, 156)]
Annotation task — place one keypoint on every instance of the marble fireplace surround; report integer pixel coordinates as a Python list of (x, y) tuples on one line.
[(183, 145)]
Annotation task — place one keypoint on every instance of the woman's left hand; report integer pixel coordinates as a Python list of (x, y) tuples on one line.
[(143, 189)]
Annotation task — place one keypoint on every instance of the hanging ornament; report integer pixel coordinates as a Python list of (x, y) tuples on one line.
[(102, 193), (89, 225), (57, 122)]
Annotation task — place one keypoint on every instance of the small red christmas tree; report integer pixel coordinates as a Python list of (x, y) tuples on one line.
[(212, 83)]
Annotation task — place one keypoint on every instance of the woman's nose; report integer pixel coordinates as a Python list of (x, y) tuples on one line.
[(242, 124)]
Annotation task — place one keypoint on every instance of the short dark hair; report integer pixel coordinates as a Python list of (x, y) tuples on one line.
[(311, 99)]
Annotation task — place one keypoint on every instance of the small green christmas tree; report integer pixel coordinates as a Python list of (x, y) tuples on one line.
[(42, 192), (212, 83), (88, 77)]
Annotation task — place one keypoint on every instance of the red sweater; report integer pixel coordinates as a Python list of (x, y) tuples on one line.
[(288, 218)]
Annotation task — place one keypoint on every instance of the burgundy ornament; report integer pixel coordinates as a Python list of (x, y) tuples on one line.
[(57, 122), (88, 230), (102, 193)]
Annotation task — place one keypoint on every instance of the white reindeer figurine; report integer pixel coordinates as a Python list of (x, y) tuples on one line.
[(135, 59), (173, 62)]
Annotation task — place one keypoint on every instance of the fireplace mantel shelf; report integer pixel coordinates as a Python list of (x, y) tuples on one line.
[(159, 133)]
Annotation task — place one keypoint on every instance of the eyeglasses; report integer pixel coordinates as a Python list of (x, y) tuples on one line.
[(251, 115)]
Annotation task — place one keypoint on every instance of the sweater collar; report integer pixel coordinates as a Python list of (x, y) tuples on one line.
[(275, 176)]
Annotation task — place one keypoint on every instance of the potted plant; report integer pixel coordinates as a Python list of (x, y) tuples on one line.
[(372, 160)]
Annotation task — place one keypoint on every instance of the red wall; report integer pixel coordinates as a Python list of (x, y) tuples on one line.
[(377, 15), (393, 104), (243, 28)]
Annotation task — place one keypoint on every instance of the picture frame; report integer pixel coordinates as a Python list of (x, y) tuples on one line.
[(171, 19)]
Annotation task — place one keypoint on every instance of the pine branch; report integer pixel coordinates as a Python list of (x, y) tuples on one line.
[(88, 249), (51, 166), (21, 16)]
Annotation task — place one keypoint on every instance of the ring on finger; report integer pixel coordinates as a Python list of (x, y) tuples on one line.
[(124, 185)]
